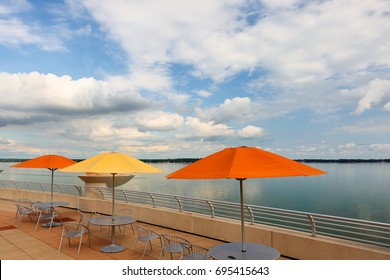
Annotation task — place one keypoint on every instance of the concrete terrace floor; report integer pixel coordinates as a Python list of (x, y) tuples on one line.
[(24, 243)]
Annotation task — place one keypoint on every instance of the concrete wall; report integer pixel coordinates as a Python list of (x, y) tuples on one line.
[(290, 243)]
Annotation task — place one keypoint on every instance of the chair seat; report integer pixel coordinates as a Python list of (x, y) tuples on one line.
[(145, 235), (194, 256), (74, 230), (174, 248), (172, 244)]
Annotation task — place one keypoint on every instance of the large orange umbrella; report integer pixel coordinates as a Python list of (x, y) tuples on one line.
[(241, 163), (51, 162)]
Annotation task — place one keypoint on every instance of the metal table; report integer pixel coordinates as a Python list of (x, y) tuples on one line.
[(232, 251), (112, 221), (51, 205)]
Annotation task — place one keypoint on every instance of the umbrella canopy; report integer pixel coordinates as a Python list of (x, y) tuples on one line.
[(241, 163), (113, 163), (51, 162)]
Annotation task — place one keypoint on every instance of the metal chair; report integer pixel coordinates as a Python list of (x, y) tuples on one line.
[(24, 207), (124, 212), (47, 214), (85, 214), (195, 252), (145, 235), (74, 230), (172, 244)]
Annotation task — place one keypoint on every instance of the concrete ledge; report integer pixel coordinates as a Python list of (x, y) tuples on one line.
[(290, 243)]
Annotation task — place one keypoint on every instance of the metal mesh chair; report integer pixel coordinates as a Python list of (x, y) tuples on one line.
[(145, 235), (124, 212), (195, 252), (74, 230), (24, 207), (85, 214), (172, 244), (47, 214)]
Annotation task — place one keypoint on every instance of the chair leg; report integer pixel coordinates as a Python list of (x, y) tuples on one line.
[(89, 239), (39, 218), (81, 239), (146, 245), (135, 243), (59, 248), (20, 218), (161, 253)]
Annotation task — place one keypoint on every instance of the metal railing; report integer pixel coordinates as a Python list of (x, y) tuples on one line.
[(44, 187), (364, 231)]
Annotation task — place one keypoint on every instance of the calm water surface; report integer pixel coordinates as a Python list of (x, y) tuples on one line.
[(355, 190)]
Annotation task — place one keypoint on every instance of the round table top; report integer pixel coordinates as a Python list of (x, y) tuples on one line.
[(50, 204), (112, 220), (233, 251)]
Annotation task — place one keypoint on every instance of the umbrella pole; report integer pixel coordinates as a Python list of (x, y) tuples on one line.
[(242, 216), (52, 183), (113, 194)]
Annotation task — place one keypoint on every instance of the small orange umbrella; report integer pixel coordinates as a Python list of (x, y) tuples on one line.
[(241, 163), (51, 162)]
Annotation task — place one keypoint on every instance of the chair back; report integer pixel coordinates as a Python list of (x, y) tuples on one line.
[(85, 214), (195, 252), (73, 229), (172, 240), (123, 212)]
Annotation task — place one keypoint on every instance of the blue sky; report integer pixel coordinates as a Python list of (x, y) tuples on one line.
[(304, 79)]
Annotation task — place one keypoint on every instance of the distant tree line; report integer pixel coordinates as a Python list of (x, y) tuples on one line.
[(191, 160)]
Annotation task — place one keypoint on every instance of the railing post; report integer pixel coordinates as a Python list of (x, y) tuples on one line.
[(252, 217), (180, 204), (124, 195), (151, 196), (313, 225), (58, 187), (100, 192), (211, 208)]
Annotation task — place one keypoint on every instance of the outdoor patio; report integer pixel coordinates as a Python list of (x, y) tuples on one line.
[(24, 243)]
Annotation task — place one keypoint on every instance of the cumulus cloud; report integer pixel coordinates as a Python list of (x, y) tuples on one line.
[(375, 94), (203, 93), (251, 131), (159, 121), (35, 93), (238, 108), (195, 128)]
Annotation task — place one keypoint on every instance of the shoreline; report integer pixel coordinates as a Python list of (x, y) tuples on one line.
[(191, 160)]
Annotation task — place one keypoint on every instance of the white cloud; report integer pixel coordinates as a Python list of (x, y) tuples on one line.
[(195, 128), (159, 121), (49, 94), (251, 131), (375, 93), (347, 146), (238, 108), (203, 93), (13, 6)]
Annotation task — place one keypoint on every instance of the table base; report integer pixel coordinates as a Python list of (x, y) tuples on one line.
[(113, 248), (232, 251)]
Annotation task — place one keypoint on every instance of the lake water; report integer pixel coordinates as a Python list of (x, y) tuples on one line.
[(355, 190)]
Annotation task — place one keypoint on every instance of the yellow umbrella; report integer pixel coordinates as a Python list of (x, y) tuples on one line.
[(112, 163)]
